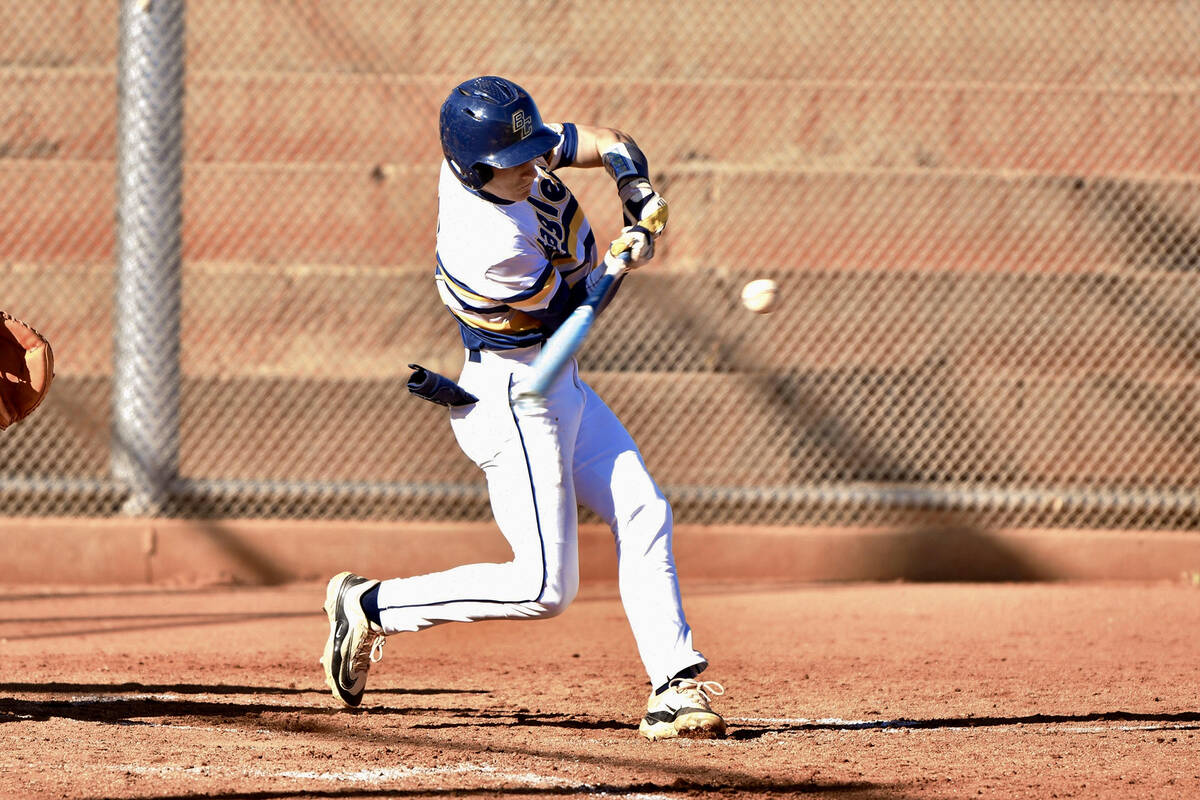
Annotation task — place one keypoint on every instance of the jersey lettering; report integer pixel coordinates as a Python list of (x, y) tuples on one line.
[(551, 235), (552, 189)]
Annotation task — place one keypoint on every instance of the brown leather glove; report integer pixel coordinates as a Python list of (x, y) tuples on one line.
[(26, 369)]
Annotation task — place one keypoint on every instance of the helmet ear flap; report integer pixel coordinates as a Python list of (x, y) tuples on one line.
[(473, 178)]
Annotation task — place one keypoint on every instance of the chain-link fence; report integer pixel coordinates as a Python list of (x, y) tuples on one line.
[(984, 218)]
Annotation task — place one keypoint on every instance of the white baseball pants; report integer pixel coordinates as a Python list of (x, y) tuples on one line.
[(539, 463)]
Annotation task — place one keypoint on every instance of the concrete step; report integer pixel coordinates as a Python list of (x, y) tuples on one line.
[(744, 220), (995, 326), (1051, 41), (726, 432), (907, 426), (354, 323), (912, 221), (61, 114), (57, 211), (242, 117), (254, 428), (64, 211), (59, 33), (845, 124), (1023, 41)]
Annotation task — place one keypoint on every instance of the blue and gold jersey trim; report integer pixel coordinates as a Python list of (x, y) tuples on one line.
[(487, 324), (563, 238)]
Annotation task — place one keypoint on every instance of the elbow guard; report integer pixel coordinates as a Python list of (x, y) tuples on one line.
[(625, 163)]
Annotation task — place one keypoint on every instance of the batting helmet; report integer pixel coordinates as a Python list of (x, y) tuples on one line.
[(491, 122)]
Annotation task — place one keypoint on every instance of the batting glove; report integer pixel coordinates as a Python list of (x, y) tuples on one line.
[(640, 202), (638, 241)]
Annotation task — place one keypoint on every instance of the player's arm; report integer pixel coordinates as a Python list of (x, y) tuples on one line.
[(594, 146), (593, 141)]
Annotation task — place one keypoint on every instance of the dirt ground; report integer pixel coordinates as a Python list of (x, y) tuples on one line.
[(892, 690)]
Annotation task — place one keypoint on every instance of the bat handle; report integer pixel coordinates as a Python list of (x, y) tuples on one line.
[(612, 270)]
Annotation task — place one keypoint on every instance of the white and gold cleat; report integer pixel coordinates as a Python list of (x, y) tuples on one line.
[(683, 710), (354, 641)]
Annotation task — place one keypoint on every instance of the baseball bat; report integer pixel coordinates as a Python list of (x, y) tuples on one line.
[(566, 341)]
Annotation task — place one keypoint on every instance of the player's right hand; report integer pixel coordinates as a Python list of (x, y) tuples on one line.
[(635, 240)]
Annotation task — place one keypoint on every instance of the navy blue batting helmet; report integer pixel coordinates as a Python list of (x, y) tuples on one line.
[(491, 122)]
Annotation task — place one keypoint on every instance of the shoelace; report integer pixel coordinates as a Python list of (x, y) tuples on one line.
[(704, 689), (359, 663)]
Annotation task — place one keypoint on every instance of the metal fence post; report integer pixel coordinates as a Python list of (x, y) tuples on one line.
[(146, 373)]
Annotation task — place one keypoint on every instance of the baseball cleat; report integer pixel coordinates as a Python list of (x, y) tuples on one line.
[(683, 710), (354, 641)]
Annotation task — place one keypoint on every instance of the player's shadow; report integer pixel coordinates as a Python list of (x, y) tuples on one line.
[(59, 687), (329, 723), (135, 704), (501, 718), (482, 718), (139, 704), (1186, 720)]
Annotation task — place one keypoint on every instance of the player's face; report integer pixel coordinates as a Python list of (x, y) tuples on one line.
[(512, 183)]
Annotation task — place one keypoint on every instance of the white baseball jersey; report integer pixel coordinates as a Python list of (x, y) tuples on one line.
[(510, 273)]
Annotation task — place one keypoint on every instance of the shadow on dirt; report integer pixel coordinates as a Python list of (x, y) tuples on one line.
[(751, 730), (1176, 721), (155, 705), (687, 779), (690, 779), (55, 595), (132, 703), (166, 704), (142, 622), (197, 688), (476, 718), (683, 788)]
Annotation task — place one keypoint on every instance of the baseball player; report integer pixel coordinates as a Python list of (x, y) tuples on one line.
[(515, 255)]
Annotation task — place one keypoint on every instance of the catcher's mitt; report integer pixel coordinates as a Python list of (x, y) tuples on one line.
[(26, 369)]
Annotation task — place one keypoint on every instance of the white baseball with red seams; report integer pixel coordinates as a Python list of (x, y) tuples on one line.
[(759, 295)]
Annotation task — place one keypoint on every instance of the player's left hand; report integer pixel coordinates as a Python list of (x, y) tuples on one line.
[(635, 240), (640, 202)]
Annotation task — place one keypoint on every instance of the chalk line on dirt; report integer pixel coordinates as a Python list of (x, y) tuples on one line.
[(386, 774), (916, 724)]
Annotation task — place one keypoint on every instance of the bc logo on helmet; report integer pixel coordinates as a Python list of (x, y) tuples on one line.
[(522, 124)]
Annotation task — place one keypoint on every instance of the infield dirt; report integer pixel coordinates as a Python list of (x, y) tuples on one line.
[(843, 690)]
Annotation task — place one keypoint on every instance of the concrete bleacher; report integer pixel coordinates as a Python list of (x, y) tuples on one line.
[(861, 135), (1002, 206), (299, 118)]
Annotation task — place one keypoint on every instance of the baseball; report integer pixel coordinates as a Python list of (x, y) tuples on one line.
[(759, 295)]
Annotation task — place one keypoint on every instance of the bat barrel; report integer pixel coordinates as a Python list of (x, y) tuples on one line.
[(559, 349), (566, 341)]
